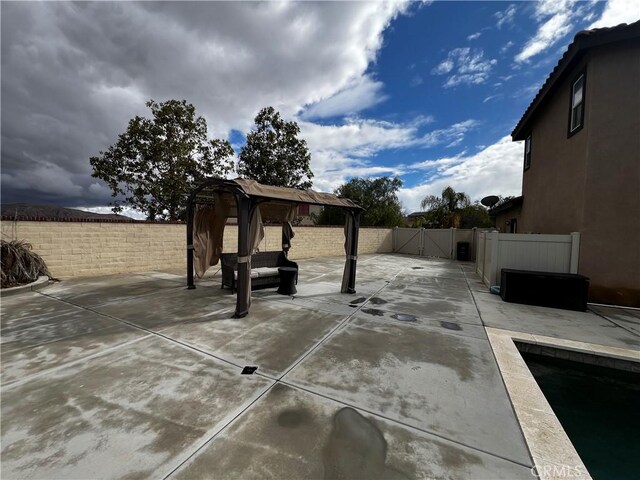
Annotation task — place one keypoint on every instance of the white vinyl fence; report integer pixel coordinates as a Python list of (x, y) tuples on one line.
[(432, 242), (541, 253)]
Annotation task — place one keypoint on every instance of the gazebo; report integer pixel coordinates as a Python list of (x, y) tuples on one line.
[(215, 200)]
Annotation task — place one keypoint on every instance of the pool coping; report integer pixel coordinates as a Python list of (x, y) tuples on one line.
[(553, 453)]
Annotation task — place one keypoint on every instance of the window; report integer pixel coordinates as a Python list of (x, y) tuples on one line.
[(527, 153), (576, 116), (303, 209)]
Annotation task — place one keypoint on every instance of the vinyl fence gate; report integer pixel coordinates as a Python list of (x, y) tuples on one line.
[(433, 242)]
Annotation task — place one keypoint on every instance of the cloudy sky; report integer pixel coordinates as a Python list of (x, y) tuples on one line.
[(426, 91)]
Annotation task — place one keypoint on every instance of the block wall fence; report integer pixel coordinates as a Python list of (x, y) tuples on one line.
[(74, 249)]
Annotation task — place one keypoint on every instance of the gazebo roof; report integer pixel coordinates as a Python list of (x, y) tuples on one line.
[(267, 194)]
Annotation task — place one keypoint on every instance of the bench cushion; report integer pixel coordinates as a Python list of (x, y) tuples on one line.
[(266, 271), (254, 274), (261, 272)]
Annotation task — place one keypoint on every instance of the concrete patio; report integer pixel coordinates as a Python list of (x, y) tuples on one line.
[(133, 376)]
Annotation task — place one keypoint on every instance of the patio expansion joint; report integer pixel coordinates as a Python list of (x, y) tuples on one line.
[(211, 436), (404, 424), (141, 295), (495, 359), (154, 333), (48, 371), (617, 324), (275, 381), (336, 328)]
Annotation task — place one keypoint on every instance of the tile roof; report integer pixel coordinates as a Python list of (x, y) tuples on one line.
[(583, 41)]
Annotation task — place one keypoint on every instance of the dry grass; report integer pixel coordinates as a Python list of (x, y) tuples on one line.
[(20, 264)]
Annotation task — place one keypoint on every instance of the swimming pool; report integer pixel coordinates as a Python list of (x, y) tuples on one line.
[(599, 408)]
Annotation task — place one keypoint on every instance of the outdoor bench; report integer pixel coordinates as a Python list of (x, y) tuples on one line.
[(264, 269), (568, 291)]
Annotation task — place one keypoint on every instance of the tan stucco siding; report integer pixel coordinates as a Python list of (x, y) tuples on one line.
[(611, 224), (553, 187), (590, 182)]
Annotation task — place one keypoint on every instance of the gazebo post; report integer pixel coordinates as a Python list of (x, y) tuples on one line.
[(243, 292), (355, 228), (352, 226), (190, 207)]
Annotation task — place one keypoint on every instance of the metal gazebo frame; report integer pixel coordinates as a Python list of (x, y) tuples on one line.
[(248, 196)]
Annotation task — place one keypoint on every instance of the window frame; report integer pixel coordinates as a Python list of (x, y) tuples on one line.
[(582, 75), (527, 155)]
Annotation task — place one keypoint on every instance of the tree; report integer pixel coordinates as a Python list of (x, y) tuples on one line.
[(158, 161), (445, 211), (274, 155), (475, 215), (377, 196)]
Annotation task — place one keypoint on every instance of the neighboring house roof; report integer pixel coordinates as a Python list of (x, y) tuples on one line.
[(417, 214), (582, 42), (508, 205)]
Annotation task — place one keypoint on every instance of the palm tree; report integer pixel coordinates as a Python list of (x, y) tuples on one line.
[(444, 211)]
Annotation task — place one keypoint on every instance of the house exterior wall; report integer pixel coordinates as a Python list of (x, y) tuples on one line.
[(507, 216), (610, 250), (590, 182), (553, 187)]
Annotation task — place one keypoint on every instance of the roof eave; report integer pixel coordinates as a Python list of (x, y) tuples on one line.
[(583, 41)]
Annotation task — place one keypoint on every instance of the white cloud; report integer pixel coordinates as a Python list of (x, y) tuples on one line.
[(444, 67), (339, 152), (451, 136), (492, 97), (361, 94), (506, 16), (474, 36), (506, 46), (342, 151), (465, 66), (73, 74), (496, 170), (416, 81), (556, 19), (558, 14), (616, 12), (126, 211)]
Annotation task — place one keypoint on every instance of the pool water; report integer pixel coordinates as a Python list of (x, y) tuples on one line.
[(599, 408)]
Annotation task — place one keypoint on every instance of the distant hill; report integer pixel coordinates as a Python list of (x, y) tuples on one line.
[(54, 212)]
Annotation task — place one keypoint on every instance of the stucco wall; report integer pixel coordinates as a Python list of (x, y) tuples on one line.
[(553, 186), (611, 222), (73, 249), (507, 216), (590, 182)]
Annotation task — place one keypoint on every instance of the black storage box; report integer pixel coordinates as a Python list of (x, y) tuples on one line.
[(462, 251), (568, 291)]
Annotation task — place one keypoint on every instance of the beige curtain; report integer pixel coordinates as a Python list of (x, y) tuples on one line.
[(287, 229), (256, 231), (208, 235)]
